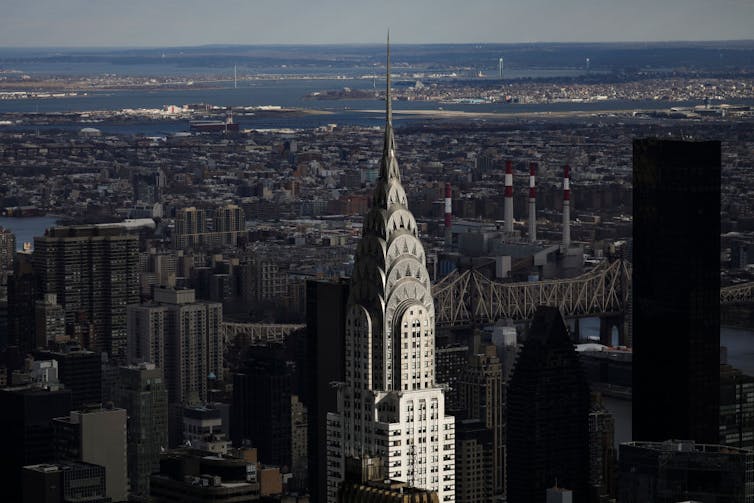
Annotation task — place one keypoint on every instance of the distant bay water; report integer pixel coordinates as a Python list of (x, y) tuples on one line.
[(287, 93)]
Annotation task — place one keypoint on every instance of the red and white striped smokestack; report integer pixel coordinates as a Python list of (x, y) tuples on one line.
[(508, 208), (566, 205), (532, 202), (448, 215)]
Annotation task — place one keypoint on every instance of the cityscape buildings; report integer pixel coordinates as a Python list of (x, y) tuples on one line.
[(97, 436), (140, 390), (390, 405), (676, 296)]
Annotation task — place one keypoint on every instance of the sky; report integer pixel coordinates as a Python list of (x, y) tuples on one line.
[(164, 23)]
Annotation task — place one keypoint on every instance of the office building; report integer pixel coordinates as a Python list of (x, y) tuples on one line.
[(141, 390), (676, 290), (93, 270), (547, 412), (390, 405), (673, 471), (80, 371), (262, 404), (97, 436), (25, 422), (64, 482), (481, 395), (320, 362)]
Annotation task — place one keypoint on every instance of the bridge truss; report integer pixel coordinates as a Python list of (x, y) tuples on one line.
[(470, 297)]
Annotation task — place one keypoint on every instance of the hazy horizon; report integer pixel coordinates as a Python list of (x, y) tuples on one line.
[(87, 24)]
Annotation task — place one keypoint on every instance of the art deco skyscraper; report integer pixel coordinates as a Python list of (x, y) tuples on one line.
[(390, 405), (676, 290)]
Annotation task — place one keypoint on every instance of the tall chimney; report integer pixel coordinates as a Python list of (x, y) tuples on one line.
[(566, 205), (448, 215), (508, 208), (532, 202)]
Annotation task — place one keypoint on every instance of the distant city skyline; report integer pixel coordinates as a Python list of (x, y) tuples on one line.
[(165, 23)]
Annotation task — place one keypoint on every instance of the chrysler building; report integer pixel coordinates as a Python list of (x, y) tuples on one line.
[(389, 405)]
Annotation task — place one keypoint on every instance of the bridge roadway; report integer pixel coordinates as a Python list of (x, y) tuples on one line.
[(461, 298)]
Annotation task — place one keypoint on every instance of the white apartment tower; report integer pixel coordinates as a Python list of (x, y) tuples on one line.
[(389, 405)]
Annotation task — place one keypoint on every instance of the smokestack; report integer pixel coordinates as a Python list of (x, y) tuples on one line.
[(448, 215), (532, 202), (566, 205), (508, 208)]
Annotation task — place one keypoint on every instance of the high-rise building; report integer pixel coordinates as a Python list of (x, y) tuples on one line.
[(390, 405), (676, 290), (320, 362), (80, 371), (547, 412), (7, 257), (96, 436), (602, 459), (192, 229), (146, 333), (22, 295), (229, 224), (481, 397), (299, 442), (190, 224), (140, 389), (25, 423), (182, 335), (262, 405), (684, 471), (93, 270)]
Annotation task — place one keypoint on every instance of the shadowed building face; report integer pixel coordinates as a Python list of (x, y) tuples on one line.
[(676, 284)]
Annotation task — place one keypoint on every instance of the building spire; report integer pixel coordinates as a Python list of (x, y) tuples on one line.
[(389, 164), (388, 94)]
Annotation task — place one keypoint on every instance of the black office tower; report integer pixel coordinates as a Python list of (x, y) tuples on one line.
[(262, 404), (25, 423), (547, 411), (676, 290), (322, 364)]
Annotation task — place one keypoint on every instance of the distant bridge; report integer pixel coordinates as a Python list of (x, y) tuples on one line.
[(463, 298)]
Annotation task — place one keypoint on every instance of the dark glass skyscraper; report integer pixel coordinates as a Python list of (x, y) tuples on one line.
[(676, 290), (547, 414)]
